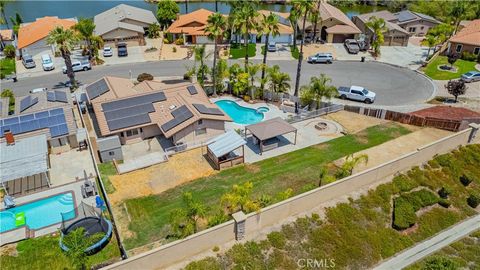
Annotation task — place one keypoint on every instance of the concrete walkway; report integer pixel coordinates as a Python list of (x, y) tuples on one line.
[(431, 245)]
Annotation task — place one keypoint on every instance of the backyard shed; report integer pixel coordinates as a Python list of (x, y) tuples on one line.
[(109, 148), (224, 150), (265, 133)]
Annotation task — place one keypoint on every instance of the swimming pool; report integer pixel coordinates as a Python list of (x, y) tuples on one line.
[(240, 114), (40, 213)]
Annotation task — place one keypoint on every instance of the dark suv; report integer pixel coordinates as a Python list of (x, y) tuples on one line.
[(122, 49)]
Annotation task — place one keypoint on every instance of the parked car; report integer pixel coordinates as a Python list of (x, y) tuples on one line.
[(38, 90), (27, 61), (356, 93), (107, 51), (352, 46), (320, 58), (272, 47), (47, 63), (471, 76), (78, 66), (122, 49)]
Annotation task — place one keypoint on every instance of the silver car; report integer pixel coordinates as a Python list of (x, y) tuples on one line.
[(471, 76), (27, 61), (320, 58)]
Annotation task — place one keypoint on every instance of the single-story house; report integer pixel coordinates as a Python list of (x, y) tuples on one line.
[(394, 36), (179, 111), (124, 23), (50, 113), (334, 26), (467, 39), (415, 23), (191, 27), (32, 36), (285, 29), (8, 37)]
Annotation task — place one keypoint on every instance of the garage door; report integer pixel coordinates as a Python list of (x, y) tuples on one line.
[(338, 38), (203, 40), (286, 39)]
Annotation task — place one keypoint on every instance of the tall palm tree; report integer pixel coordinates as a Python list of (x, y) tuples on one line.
[(16, 21), (278, 81), (85, 28), (304, 7), (430, 41), (64, 40), (252, 71), (458, 13), (268, 26), (293, 18), (3, 3), (245, 22), (200, 55), (216, 26), (315, 17), (319, 88), (378, 26)]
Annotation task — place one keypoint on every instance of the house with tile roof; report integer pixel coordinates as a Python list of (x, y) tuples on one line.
[(124, 23), (191, 27), (415, 23), (467, 39), (178, 111), (32, 36), (334, 27), (394, 36), (8, 37)]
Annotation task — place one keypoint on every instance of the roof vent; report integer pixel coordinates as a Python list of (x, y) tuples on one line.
[(172, 107), (9, 138)]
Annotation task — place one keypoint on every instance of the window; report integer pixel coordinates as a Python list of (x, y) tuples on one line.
[(201, 131), (412, 29), (459, 48), (132, 132), (476, 50), (111, 153), (200, 122), (357, 92)]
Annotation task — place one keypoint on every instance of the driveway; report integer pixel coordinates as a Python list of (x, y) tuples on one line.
[(135, 55), (283, 53), (23, 72)]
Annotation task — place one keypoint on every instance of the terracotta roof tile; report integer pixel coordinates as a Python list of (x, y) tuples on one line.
[(470, 34), (7, 34), (447, 113), (192, 23), (30, 33)]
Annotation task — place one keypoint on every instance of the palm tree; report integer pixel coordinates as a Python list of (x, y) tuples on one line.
[(16, 22), (200, 56), (268, 26), (350, 163), (458, 13), (220, 72), (303, 7), (278, 81), (315, 17), (153, 30), (3, 3), (378, 26), (430, 41), (245, 21), (64, 40), (252, 71), (216, 26), (293, 18), (85, 28), (319, 88)]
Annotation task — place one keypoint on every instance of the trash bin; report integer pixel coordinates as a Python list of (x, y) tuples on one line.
[(362, 59)]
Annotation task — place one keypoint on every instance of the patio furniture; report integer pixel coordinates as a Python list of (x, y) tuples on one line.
[(9, 201), (89, 189)]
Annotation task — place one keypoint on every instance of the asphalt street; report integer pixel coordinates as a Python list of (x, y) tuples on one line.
[(393, 85)]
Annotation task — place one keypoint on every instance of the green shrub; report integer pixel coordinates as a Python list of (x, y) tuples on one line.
[(444, 203), (144, 77), (216, 249), (443, 193), (166, 41), (9, 51), (174, 49), (406, 205), (209, 263), (217, 218), (179, 41), (473, 200), (277, 239), (467, 56), (465, 180), (440, 263)]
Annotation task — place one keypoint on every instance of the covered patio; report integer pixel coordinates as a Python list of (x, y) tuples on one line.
[(265, 133), (224, 150), (24, 165)]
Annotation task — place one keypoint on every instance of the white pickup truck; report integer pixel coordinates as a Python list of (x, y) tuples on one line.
[(356, 93)]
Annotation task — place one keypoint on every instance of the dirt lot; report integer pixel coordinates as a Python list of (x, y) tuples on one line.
[(179, 169), (167, 52), (311, 49), (353, 122)]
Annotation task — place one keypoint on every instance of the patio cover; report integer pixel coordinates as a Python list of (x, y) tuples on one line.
[(225, 143), (270, 128), (28, 156)]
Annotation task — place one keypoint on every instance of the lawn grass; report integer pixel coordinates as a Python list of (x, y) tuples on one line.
[(7, 67), (297, 170), (45, 253), (432, 71), (463, 254), (358, 234), (238, 50), (295, 52), (107, 169)]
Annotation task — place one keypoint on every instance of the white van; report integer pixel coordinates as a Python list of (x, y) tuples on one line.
[(47, 63)]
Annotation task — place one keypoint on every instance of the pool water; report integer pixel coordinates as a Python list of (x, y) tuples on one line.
[(240, 114), (40, 213)]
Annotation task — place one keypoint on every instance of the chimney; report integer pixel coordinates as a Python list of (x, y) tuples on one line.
[(9, 137)]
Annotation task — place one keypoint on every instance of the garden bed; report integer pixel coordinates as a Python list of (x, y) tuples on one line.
[(461, 66)]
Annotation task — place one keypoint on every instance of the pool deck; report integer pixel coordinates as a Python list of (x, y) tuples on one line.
[(22, 233)]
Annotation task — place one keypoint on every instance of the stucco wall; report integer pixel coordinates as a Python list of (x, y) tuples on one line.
[(38, 47), (187, 134), (465, 47), (120, 34), (418, 24)]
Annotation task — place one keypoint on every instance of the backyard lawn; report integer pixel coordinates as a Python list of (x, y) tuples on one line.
[(7, 67), (358, 234), (107, 169), (45, 253), (238, 51), (297, 170), (462, 67)]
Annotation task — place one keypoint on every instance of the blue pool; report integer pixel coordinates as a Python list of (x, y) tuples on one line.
[(40, 213), (240, 114)]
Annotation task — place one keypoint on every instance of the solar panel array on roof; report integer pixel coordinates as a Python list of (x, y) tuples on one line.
[(27, 102), (134, 101), (97, 88), (192, 89), (57, 96), (405, 16), (52, 119), (205, 110), (129, 111), (180, 115), (128, 121)]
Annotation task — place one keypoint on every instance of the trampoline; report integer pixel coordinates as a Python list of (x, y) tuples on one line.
[(92, 221)]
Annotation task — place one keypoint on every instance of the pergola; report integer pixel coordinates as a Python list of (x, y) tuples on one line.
[(267, 131), (222, 150)]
